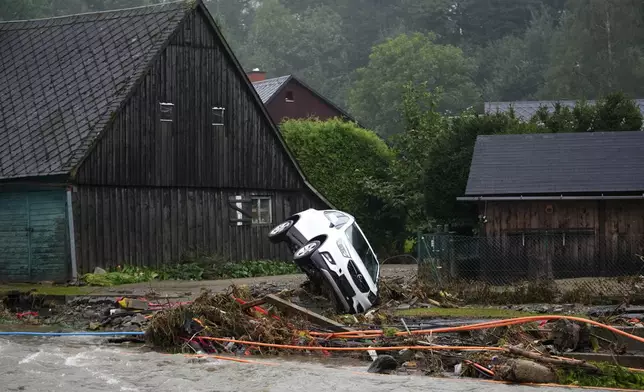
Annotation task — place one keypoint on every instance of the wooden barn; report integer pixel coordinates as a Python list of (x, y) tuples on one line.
[(134, 136), (289, 97), (560, 205)]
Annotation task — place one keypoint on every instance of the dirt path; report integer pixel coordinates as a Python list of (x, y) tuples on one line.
[(190, 289)]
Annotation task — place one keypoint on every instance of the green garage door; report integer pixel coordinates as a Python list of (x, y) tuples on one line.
[(33, 236)]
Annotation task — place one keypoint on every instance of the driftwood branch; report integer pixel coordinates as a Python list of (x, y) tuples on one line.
[(570, 363)]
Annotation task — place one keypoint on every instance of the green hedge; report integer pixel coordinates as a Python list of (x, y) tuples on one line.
[(336, 156)]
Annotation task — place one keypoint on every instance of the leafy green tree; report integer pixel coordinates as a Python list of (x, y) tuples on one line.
[(310, 45), (450, 159), (377, 93), (614, 112), (336, 156), (597, 50), (513, 67)]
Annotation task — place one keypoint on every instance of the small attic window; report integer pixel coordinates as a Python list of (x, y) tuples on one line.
[(167, 111), (218, 116), (289, 96)]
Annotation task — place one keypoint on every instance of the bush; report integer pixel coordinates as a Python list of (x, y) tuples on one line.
[(337, 157)]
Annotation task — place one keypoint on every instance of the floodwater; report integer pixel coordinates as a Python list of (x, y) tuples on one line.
[(36, 364)]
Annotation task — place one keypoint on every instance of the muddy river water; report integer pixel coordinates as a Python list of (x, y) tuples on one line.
[(84, 364)]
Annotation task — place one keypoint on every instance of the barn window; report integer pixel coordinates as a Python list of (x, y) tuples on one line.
[(167, 111), (261, 210), (218, 116), (289, 96)]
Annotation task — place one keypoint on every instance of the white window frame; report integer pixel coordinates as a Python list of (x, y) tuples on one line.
[(166, 107), (218, 116), (256, 201)]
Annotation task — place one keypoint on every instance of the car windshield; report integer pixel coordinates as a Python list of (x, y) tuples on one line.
[(364, 251)]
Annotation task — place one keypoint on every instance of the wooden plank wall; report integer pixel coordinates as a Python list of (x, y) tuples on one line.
[(613, 233), (150, 226), (195, 74)]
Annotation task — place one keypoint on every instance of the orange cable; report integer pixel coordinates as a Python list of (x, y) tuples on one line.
[(320, 348)]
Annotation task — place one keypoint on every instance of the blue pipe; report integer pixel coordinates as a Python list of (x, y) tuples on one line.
[(115, 333)]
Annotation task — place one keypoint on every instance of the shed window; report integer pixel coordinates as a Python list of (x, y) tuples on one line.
[(261, 209), (289, 96), (167, 111), (218, 116)]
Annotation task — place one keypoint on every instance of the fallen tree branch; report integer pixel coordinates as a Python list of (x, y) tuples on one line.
[(574, 363)]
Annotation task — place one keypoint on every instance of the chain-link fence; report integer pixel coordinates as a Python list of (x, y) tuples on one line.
[(601, 265)]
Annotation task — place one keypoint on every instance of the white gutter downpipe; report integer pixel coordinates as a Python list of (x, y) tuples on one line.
[(72, 240), (562, 197)]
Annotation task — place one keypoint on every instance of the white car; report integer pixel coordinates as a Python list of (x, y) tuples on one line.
[(330, 248)]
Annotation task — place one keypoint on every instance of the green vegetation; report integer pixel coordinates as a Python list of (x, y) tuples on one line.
[(463, 312), (189, 271), (612, 376), (44, 289), (250, 269), (337, 157)]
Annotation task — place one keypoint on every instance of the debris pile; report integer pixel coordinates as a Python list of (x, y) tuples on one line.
[(218, 316)]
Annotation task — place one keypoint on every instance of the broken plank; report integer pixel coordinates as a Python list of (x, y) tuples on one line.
[(313, 317), (254, 303)]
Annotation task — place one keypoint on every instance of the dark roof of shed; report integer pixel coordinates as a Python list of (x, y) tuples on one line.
[(61, 78), (526, 109), (563, 163)]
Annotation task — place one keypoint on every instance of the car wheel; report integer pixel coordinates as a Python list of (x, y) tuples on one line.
[(278, 232), (307, 250)]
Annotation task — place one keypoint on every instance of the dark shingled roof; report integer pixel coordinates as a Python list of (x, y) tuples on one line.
[(62, 78), (564, 163), (269, 87)]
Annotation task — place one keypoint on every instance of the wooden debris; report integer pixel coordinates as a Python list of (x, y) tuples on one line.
[(570, 363), (290, 308)]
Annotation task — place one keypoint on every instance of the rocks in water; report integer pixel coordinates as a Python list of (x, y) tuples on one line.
[(524, 371), (383, 364), (405, 356)]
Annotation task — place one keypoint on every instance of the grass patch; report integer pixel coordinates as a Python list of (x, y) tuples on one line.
[(612, 376), (45, 289), (191, 269), (463, 312)]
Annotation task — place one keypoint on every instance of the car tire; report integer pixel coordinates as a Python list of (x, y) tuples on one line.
[(278, 233), (307, 250)]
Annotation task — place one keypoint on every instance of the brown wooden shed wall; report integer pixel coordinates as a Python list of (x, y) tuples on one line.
[(601, 237)]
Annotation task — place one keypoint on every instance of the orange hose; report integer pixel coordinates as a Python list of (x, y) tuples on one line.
[(490, 324), (319, 348)]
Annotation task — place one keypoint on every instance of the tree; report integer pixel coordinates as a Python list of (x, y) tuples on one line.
[(377, 93), (614, 112), (513, 67), (450, 158), (336, 156), (310, 45), (598, 50)]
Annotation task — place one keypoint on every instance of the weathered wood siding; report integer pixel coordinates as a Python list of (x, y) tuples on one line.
[(151, 191), (598, 237), (151, 226), (195, 74)]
